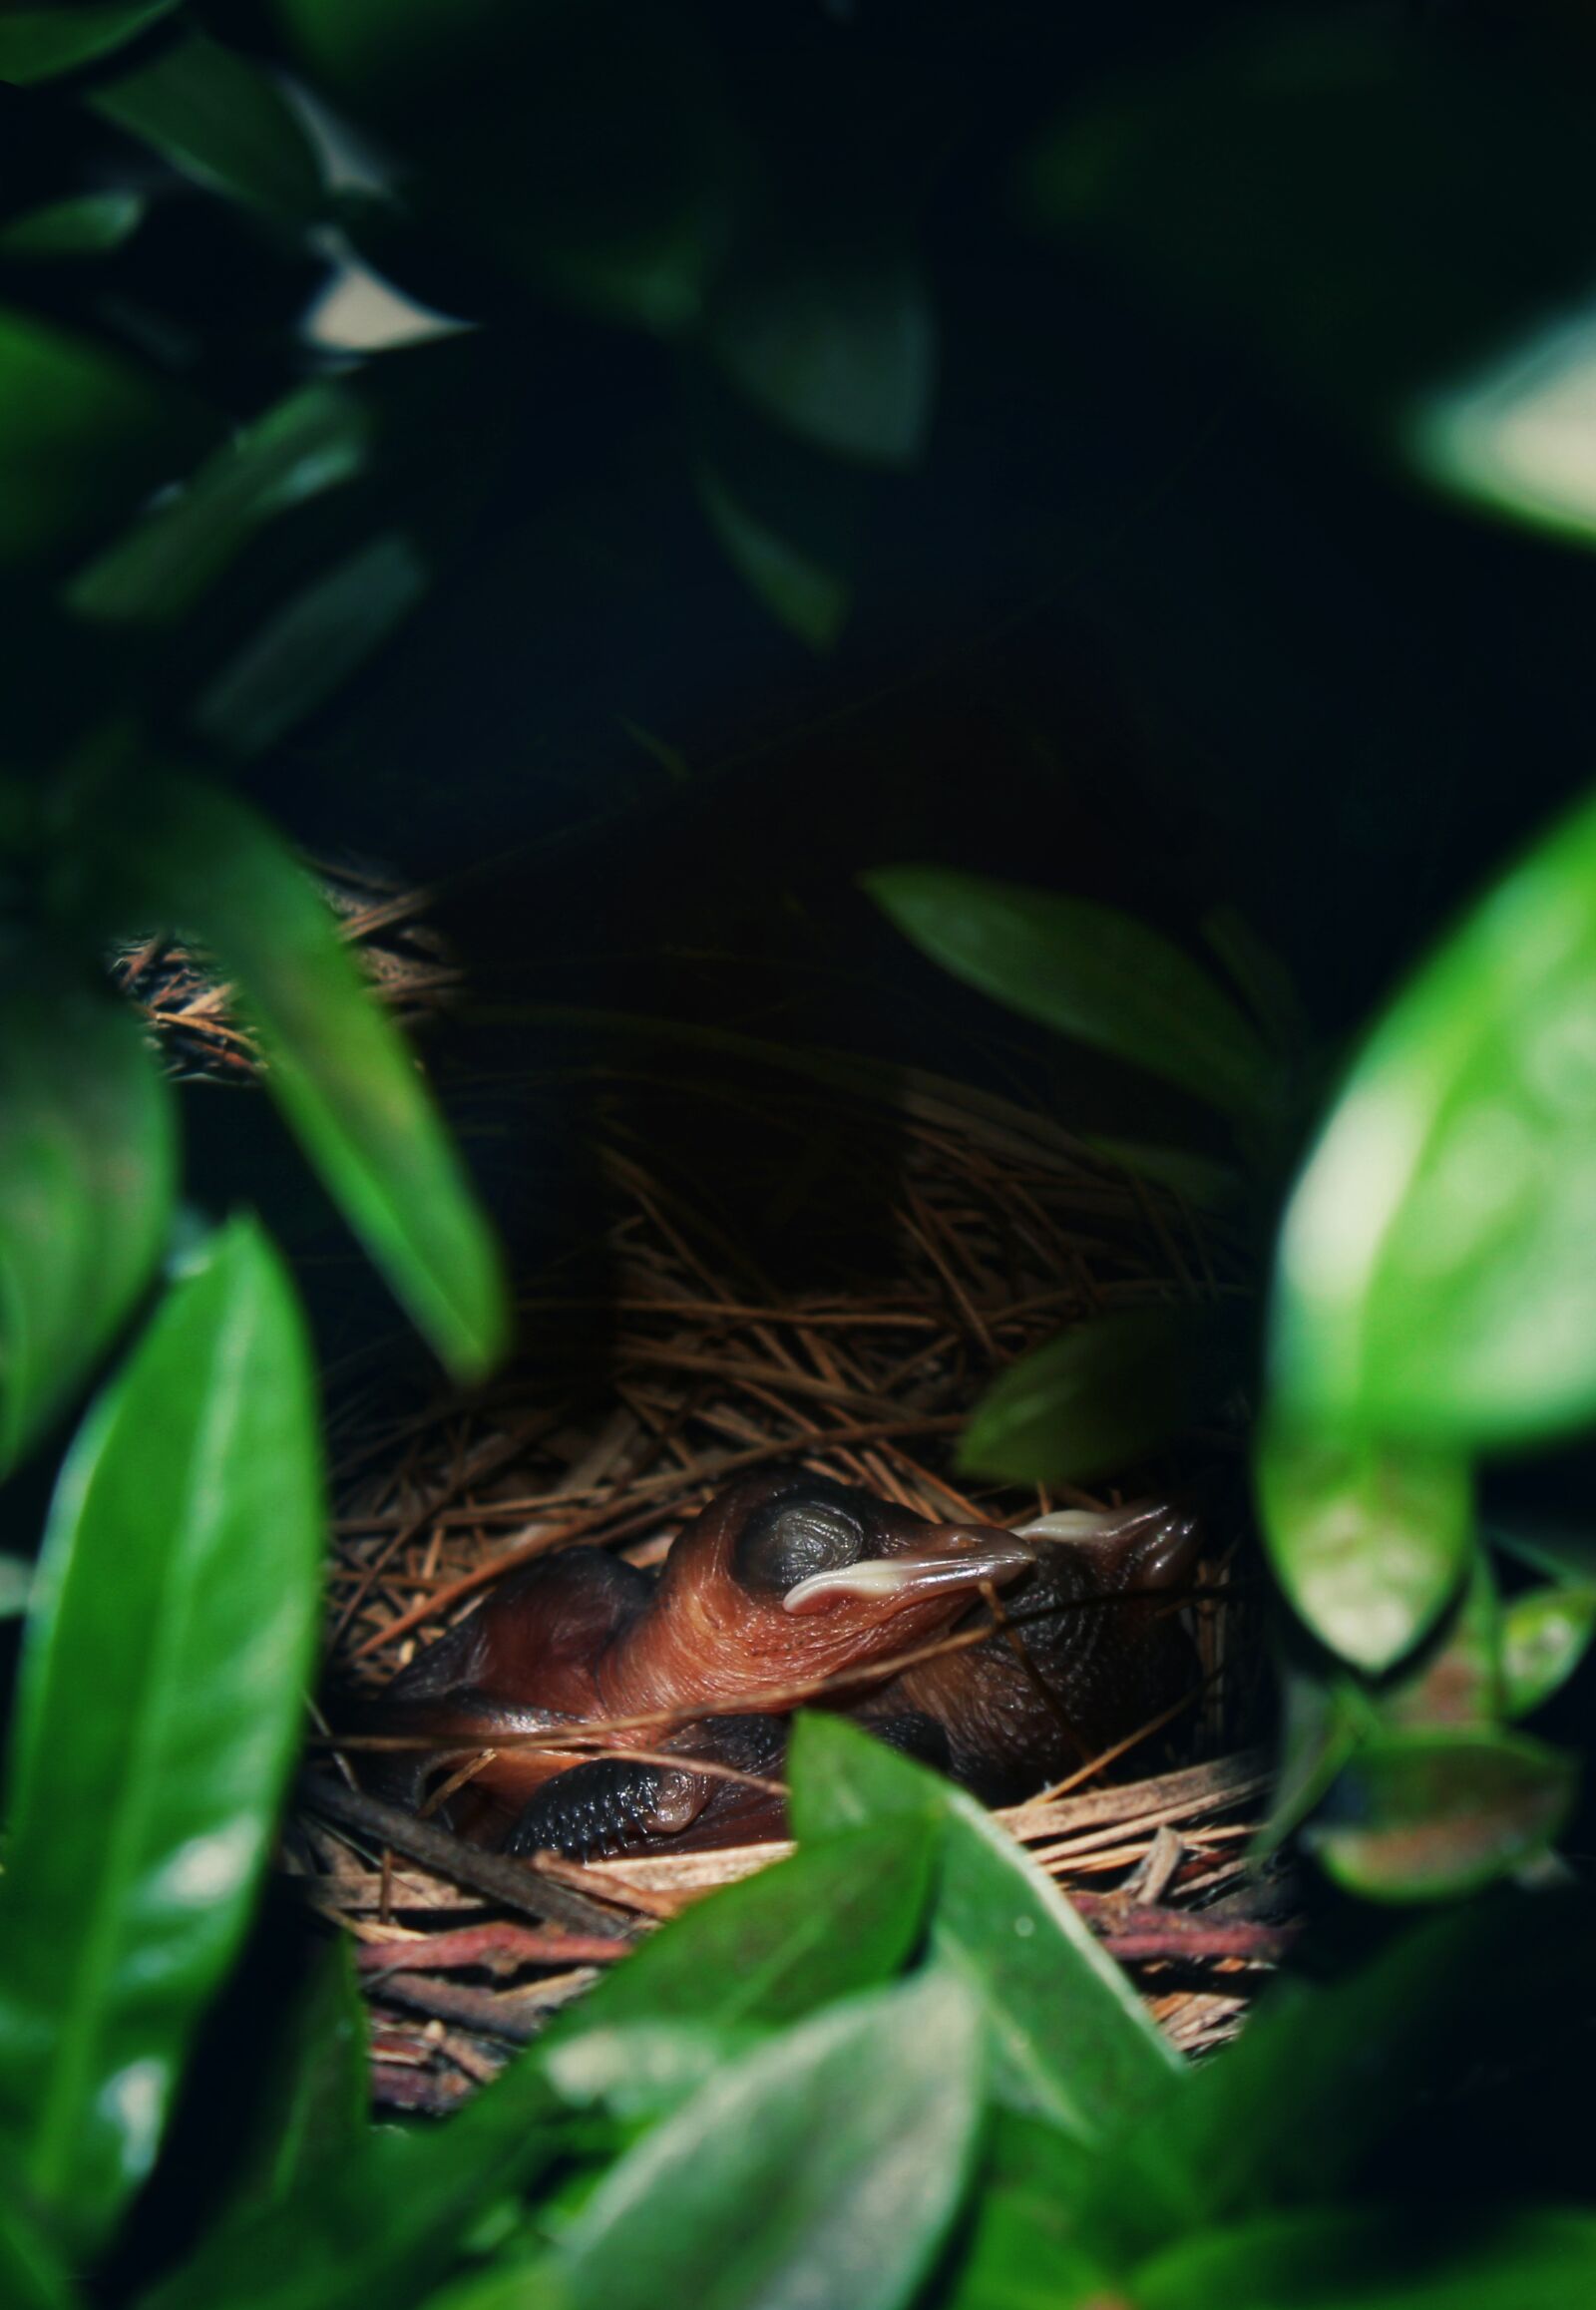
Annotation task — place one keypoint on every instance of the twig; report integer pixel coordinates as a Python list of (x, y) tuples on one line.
[(522, 1885)]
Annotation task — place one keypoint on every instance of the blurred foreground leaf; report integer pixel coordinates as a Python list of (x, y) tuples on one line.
[(193, 858), (163, 1679), (1353, 2063), (1367, 1540), (87, 1171), (315, 2098), (31, 2275), (839, 1915), (1437, 1267), (1025, 2249), (797, 585), (1088, 970), (1069, 2040), (88, 225), (1426, 1816), (1392, 2258), (307, 650), (166, 563), (1546, 1635), (39, 41), (221, 118), (824, 2167), (82, 435), (837, 344), (381, 2224), (1101, 1396)]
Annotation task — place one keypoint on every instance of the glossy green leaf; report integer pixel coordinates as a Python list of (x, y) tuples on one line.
[(1392, 2258), (1209, 1185), (837, 344), (1454, 1681), (310, 648), (84, 434), (382, 2224), (1069, 2037), (840, 1915), (1556, 1550), (1217, 174), (193, 858), (1086, 970), (90, 224), (16, 1585), (808, 594), (1323, 1717), (1260, 976), (1101, 1396), (1025, 2250), (167, 563), (87, 1174), (1546, 1635), (314, 2101), (1438, 1267), (1367, 1540), (37, 42), (824, 2167), (178, 1590), (1353, 2060), (1425, 1816), (612, 174), (32, 2276), (223, 120)]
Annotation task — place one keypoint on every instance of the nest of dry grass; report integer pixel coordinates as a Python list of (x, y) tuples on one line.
[(985, 1230), (190, 1015)]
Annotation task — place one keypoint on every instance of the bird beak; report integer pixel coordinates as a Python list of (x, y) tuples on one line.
[(950, 1557)]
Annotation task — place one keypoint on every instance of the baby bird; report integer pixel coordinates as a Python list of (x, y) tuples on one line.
[(783, 1580)]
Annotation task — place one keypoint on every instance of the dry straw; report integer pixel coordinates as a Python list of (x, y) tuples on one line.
[(953, 1233)]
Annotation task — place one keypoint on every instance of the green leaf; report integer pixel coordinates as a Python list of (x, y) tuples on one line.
[(169, 560), (83, 436), (314, 2104), (824, 2167), (803, 589), (385, 2222), (310, 648), (1438, 1269), (1353, 2062), (1101, 1396), (1546, 1635), (37, 42), (1070, 2039), (1323, 1717), (167, 1647), (1454, 1681), (16, 1585), (1391, 2258), (223, 120), (1369, 1540), (90, 224), (31, 2275), (587, 151), (1025, 2250), (1425, 1816), (200, 862), (837, 344), (1086, 970), (87, 1176), (1218, 174), (840, 1915), (1198, 1178), (1261, 977)]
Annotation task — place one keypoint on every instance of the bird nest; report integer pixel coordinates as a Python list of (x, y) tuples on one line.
[(851, 1325)]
